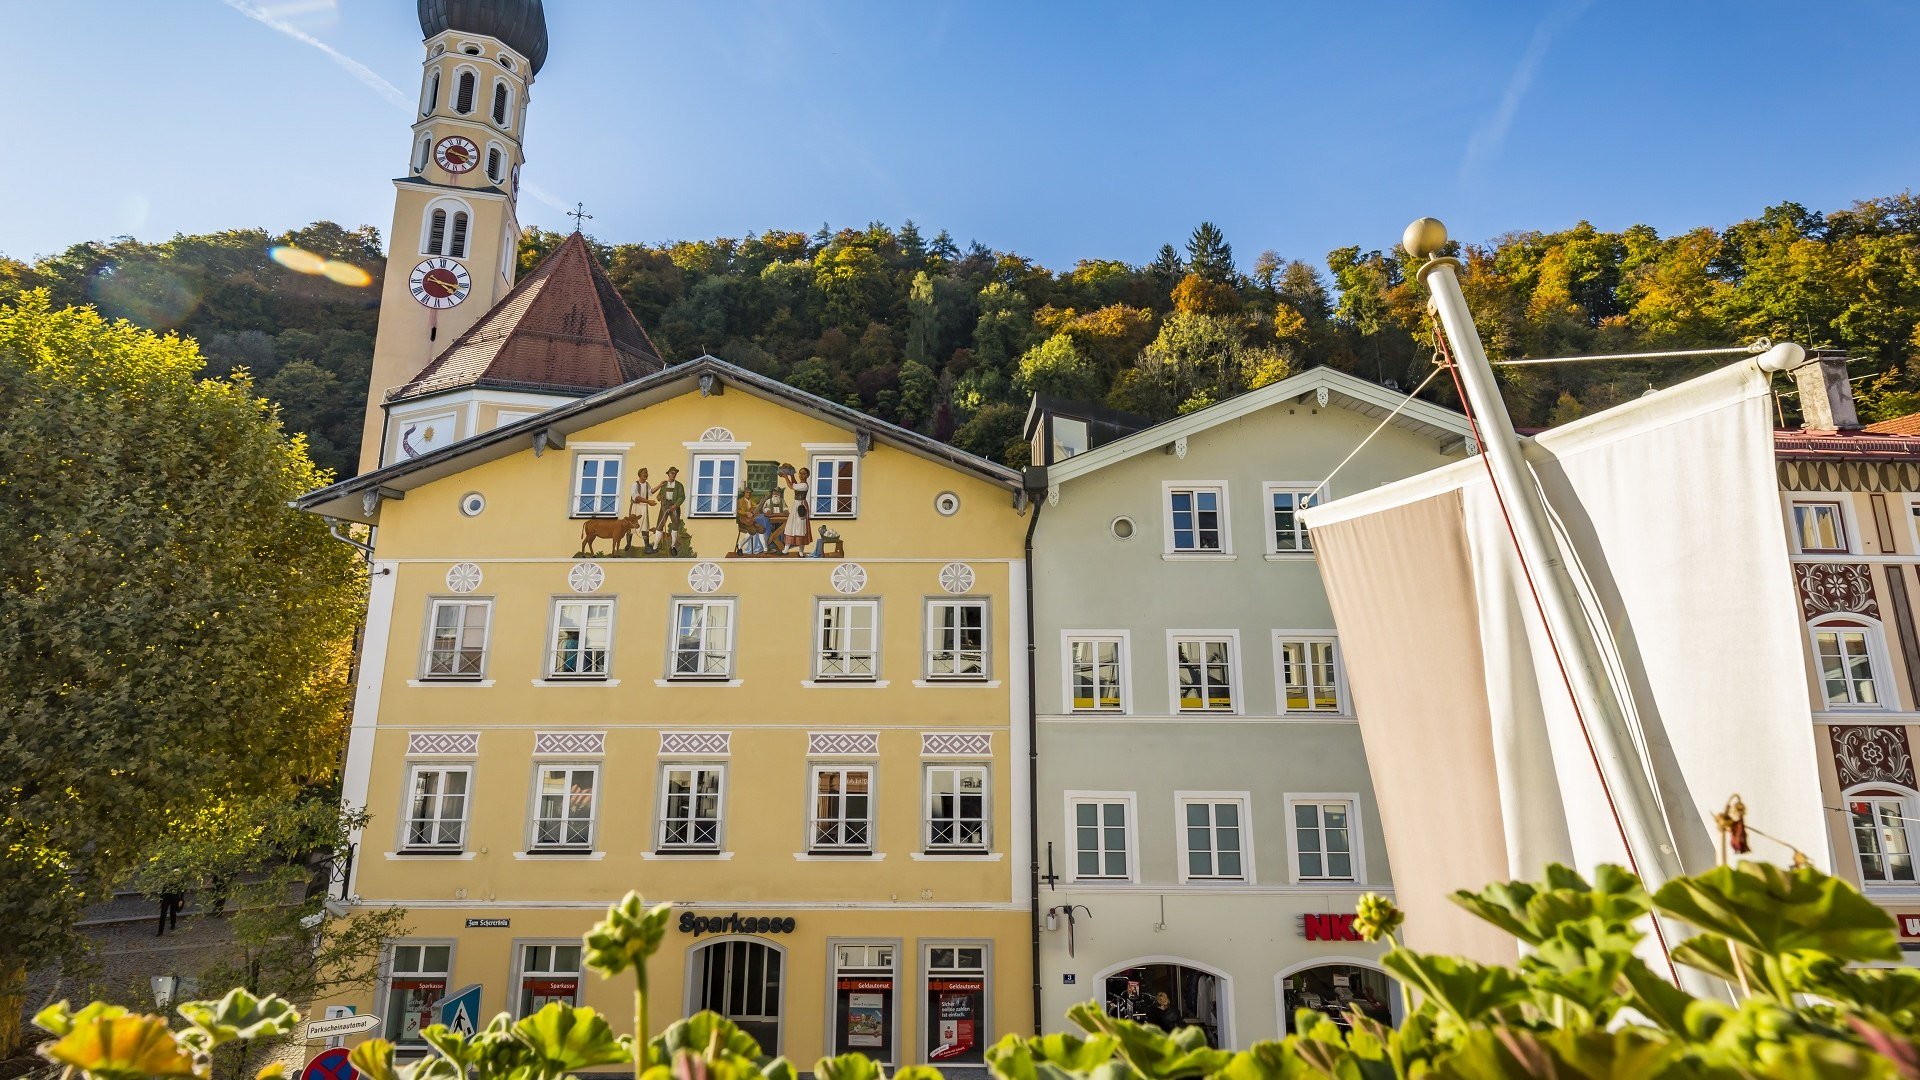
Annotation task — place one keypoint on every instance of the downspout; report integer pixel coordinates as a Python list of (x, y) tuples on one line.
[(1035, 483)]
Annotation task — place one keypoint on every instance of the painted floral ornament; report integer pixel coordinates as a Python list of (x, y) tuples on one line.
[(705, 577), (463, 577), (586, 577), (849, 578), (956, 578)]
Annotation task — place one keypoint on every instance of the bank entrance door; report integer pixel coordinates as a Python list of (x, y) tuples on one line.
[(740, 980)]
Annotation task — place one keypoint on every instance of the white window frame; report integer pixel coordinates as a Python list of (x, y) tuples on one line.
[(1132, 802), (1311, 491), (1903, 804), (1121, 638), (673, 637), (667, 769), (540, 771), (550, 664), (450, 206), (928, 973), (724, 507), (422, 157), (817, 497), (1879, 664), (927, 843), (408, 795), (504, 123), (453, 97), (506, 161), (389, 971), (929, 645), (1234, 688), (844, 821), (1343, 705), (578, 475), (1355, 839), (848, 663), (427, 651), (521, 972), (430, 92), (1843, 523), (1244, 801), (1168, 488)]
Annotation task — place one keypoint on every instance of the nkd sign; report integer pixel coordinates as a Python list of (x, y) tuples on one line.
[(1329, 928)]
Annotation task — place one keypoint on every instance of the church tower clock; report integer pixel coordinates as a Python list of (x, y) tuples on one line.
[(455, 237)]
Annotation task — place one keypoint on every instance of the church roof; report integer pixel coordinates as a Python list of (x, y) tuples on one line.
[(519, 24), (563, 328)]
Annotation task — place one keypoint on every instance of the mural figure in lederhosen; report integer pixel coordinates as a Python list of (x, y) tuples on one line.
[(672, 495), (640, 507)]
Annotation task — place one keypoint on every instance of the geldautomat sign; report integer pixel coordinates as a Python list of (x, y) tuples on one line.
[(735, 923)]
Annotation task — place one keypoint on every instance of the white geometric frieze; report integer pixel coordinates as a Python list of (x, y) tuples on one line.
[(829, 743), (956, 743), (696, 742), (570, 742), (442, 743)]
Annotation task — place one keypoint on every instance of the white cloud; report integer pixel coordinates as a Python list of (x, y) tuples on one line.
[(1486, 139)]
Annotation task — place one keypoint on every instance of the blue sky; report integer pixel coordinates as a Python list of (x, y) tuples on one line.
[(1059, 132)]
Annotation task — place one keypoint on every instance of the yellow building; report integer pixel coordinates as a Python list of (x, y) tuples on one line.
[(817, 753)]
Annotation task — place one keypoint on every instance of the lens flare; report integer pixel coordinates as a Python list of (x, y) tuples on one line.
[(301, 261), (296, 260), (346, 274)]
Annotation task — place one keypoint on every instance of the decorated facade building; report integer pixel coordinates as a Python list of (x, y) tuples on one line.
[(1204, 813), (684, 630), (1850, 496)]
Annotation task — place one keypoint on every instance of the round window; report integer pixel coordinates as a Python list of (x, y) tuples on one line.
[(1122, 528), (506, 61), (471, 50), (472, 503), (947, 503)]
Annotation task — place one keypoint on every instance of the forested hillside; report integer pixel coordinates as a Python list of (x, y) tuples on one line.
[(952, 340)]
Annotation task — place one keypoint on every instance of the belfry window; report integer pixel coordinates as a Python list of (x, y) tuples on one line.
[(437, 233), (458, 247), (463, 93), (424, 153), (493, 164), (431, 100), (500, 100)]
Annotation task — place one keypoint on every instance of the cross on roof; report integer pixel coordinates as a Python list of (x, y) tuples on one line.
[(579, 214)]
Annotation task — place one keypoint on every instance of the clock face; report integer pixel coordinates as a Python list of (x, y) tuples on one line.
[(457, 153), (516, 180), (439, 283)]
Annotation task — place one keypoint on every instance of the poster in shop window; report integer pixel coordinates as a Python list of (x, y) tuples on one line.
[(866, 1022), (953, 1014), (412, 1007), (866, 1017), (542, 992)]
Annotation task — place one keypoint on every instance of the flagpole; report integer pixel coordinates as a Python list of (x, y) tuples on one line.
[(1629, 786)]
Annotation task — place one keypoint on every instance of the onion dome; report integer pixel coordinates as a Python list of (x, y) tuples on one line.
[(520, 24)]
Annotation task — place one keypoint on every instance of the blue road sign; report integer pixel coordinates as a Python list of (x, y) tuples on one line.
[(330, 1065), (460, 1010)]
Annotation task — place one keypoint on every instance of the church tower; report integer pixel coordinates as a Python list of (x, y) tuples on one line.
[(455, 236)]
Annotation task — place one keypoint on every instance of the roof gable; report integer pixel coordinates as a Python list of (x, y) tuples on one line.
[(1344, 390), (564, 327), (358, 498)]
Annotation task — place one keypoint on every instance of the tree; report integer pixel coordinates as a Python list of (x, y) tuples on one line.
[(1166, 268), (994, 434), (136, 609), (1056, 367), (923, 320), (1209, 254)]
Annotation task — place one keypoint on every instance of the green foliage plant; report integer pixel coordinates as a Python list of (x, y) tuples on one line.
[(1582, 1003)]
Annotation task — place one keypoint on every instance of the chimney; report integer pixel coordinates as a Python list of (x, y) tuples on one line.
[(1826, 397)]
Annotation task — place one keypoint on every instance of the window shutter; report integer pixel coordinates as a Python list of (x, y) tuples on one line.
[(437, 233), (458, 249), (464, 102), (500, 103)]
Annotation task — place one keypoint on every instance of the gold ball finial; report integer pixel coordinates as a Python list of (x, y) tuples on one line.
[(1424, 238)]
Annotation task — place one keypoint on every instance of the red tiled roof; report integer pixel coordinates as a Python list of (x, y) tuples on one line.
[(1866, 444), (563, 327), (1899, 425)]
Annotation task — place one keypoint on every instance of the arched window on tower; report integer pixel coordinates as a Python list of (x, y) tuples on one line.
[(500, 101), (458, 248), (437, 233), (495, 165), (431, 99), (424, 152), (463, 94)]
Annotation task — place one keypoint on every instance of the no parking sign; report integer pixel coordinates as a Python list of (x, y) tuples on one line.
[(330, 1065)]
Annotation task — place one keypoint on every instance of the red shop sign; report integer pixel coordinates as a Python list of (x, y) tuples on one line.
[(866, 984), (1328, 928), (1909, 925), (960, 985)]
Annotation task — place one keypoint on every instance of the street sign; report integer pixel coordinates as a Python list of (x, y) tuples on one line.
[(460, 1010), (344, 1025), (330, 1065)]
